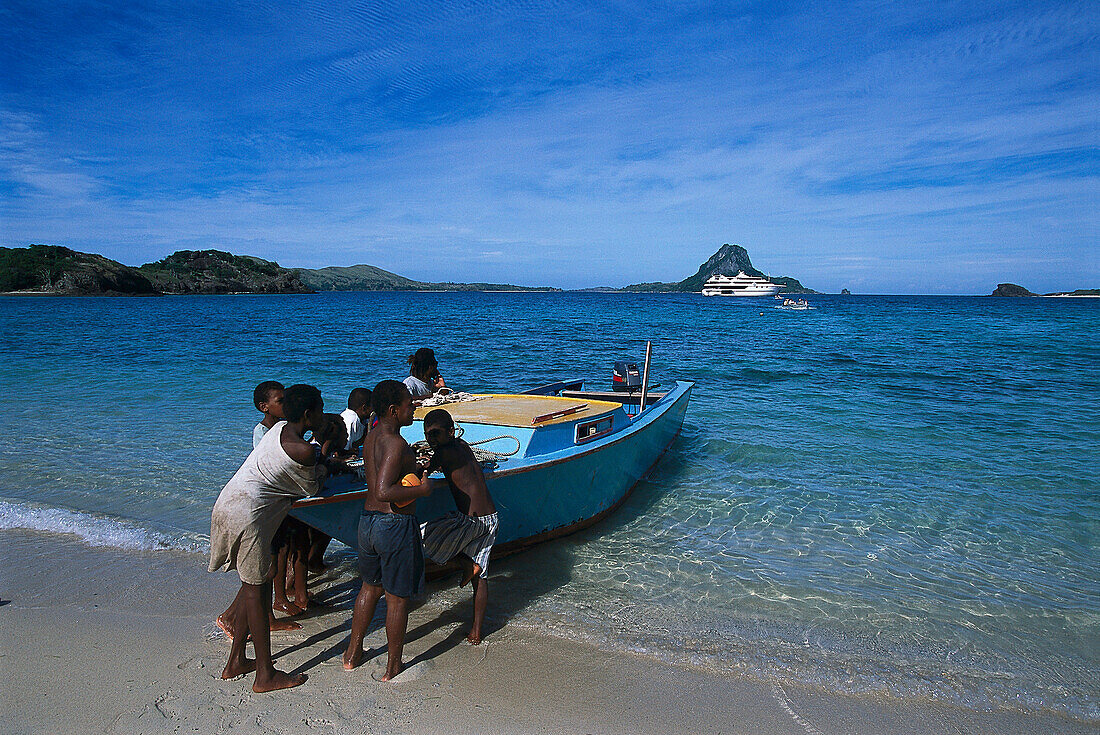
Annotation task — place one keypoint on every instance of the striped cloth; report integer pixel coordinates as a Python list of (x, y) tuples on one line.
[(447, 537)]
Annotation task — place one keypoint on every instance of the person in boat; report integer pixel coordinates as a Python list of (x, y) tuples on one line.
[(424, 378), (467, 535), (391, 555), (268, 399), (281, 469), (357, 418)]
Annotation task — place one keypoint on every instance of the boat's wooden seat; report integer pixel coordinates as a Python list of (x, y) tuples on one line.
[(520, 410)]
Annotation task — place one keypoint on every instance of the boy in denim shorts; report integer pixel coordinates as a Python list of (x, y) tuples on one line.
[(391, 557)]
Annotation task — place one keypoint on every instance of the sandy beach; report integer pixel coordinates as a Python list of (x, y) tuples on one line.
[(115, 641)]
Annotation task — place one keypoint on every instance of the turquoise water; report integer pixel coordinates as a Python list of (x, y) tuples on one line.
[(882, 494)]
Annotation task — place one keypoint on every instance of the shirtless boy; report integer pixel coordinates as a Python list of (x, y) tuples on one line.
[(391, 559), (249, 509), (468, 535)]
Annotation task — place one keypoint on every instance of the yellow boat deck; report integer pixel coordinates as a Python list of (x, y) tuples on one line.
[(522, 410)]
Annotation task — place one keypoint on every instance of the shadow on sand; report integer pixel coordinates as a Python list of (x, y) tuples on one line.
[(514, 583)]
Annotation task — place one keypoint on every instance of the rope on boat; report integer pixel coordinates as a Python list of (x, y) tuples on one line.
[(487, 458)]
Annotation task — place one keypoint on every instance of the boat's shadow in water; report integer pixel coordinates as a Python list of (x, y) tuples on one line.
[(514, 583)]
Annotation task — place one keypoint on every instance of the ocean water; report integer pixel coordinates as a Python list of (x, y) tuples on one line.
[(895, 495)]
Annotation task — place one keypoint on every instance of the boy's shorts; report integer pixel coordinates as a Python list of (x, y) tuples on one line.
[(479, 550), (391, 553)]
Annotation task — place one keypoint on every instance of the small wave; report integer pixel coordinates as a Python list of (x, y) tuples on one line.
[(96, 530)]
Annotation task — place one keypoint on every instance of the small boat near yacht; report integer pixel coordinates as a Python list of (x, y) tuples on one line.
[(579, 454), (740, 285)]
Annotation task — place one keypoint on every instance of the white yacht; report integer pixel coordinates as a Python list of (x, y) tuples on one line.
[(740, 285)]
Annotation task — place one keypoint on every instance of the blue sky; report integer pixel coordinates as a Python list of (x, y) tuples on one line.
[(883, 147)]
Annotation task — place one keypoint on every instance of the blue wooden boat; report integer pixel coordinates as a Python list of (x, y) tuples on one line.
[(580, 454)]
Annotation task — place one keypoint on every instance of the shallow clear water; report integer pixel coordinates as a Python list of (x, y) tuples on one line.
[(895, 494)]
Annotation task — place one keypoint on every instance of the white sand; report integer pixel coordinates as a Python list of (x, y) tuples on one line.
[(102, 640)]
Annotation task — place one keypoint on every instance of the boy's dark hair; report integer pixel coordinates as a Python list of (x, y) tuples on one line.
[(422, 361), (387, 393), (358, 398), (264, 390), (438, 417), (332, 422), (300, 398)]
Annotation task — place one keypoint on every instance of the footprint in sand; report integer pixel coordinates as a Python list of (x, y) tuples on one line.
[(166, 705), (411, 673), (194, 663), (316, 722)]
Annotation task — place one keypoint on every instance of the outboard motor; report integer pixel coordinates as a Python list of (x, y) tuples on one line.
[(625, 377)]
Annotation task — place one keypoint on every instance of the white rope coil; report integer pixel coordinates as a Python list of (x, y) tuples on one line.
[(487, 458)]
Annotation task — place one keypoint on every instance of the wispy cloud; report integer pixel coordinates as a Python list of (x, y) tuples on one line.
[(564, 144)]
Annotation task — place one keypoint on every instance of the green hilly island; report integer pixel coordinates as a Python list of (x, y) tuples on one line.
[(58, 270), (371, 278), (217, 272), (52, 269), (61, 271)]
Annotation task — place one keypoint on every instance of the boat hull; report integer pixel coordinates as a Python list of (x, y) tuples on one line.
[(560, 494)]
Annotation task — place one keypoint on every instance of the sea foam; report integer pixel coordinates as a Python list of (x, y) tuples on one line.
[(97, 530)]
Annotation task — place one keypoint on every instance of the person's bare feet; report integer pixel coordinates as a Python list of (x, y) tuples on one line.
[(278, 625), (473, 571), (280, 680), (352, 659), (392, 672), (222, 623), (286, 606), (233, 669), (474, 639)]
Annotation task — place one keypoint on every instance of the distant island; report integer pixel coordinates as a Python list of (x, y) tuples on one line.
[(60, 271), (57, 270), (727, 261), (1011, 289), (371, 278)]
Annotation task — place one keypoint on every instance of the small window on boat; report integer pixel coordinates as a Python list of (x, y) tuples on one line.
[(589, 430)]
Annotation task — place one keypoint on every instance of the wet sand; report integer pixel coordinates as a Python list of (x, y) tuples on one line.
[(106, 640)]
